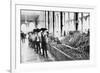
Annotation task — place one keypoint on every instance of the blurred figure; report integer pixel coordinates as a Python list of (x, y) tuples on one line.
[(38, 43), (30, 39), (23, 36), (34, 40), (44, 37)]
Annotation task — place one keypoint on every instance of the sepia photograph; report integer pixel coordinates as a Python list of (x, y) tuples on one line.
[(50, 36)]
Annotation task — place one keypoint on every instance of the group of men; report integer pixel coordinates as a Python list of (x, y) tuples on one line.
[(39, 42)]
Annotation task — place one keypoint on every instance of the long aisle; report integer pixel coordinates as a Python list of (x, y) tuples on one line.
[(29, 55)]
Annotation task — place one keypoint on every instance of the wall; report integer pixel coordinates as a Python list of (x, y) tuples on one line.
[(5, 35)]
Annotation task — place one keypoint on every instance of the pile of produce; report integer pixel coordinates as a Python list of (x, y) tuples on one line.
[(75, 54), (80, 41)]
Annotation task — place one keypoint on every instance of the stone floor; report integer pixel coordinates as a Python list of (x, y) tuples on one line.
[(29, 55)]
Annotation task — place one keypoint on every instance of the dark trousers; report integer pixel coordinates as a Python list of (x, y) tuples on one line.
[(44, 48), (38, 47), (33, 44)]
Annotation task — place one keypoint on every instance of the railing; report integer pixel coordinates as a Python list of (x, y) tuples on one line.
[(58, 54)]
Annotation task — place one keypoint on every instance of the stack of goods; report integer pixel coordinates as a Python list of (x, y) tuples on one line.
[(78, 40)]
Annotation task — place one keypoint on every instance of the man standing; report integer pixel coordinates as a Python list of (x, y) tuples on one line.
[(38, 44), (44, 44)]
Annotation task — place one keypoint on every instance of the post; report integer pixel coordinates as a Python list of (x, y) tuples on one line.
[(76, 21), (68, 22), (48, 21), (61, 22), (53, 22), (45, 19), (82, 22)]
